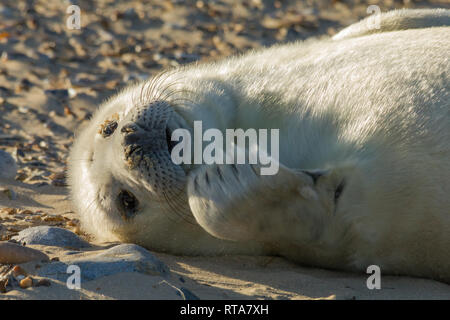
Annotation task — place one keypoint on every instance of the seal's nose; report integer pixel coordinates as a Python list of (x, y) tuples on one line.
[(142, 141), (132, 134), (150, 138), (139, 142), (129, 128)]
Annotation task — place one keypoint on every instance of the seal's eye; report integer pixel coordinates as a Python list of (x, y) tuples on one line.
[(338, 191), (128, 204)]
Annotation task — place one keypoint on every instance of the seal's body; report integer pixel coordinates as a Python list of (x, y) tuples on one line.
[(364, 151)]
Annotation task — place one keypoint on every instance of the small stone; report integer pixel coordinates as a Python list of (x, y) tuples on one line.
[(51, 236), (130, 14), (68, 111), (3, 284), (19, 278), (23, 85), (26, 283), (134, 77), (59, 183), (60, 94), (72, 93), (21, 176), (9, 193), (9, 211), (53, 218), (18, 271), (8, 166), (200, 4), (4, 56), (24, 110), (118, 259), (12, 253), (43, 283), (31, 23)]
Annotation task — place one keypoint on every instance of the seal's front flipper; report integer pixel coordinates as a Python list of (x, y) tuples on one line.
[(235, 202)]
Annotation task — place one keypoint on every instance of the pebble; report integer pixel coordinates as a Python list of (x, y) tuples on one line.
[(23, 110), (11, 253), (6, 12), (60, 94), (118, 259), (51, 236), (3, 284), (20, 277), (59, 183), (18, 271), (26, 283), (72, 93), (134, 77), (8, 166), (131, 14), (10, 193), (23, 85), (43, 283)]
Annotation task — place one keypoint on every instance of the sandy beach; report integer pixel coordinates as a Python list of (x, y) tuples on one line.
[(52, 79)]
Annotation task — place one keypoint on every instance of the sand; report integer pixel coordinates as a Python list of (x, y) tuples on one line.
[(119, 43)]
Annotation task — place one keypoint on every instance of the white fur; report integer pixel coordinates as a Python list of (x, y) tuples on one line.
[(395, 20), (373, 111)]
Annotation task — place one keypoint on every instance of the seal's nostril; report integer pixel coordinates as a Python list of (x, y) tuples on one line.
[(108, 128), (130, 149), (129, 128)]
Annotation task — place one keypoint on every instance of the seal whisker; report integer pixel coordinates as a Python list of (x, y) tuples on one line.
[(148, 89), (169, 95), (175, 209), (185, 211), (167, 87)]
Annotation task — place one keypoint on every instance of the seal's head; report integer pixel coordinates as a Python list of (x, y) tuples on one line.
[(123, 183)]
